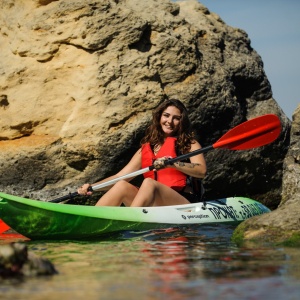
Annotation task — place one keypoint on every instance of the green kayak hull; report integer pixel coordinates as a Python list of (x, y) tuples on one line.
[(40, 220)]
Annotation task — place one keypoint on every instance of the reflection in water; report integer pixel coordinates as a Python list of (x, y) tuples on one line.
[(188, 256), (185, 257), (181, 263)]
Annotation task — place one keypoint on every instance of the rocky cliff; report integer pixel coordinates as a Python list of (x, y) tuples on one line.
[(79, 79)]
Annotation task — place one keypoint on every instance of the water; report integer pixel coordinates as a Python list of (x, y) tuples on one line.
[(192, 263)]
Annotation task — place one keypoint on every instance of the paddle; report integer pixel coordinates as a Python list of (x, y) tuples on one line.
[(254, 133)]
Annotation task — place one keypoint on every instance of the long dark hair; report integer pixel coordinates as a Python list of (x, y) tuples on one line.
[(155, 135)]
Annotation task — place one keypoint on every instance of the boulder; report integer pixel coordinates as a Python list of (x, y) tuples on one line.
[(17, 261), (283, 224)]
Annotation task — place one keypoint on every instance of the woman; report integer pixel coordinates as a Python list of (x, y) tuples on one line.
[(168, 134)]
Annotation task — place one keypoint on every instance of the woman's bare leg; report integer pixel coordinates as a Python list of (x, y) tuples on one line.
[(153, 193), (121, 192)]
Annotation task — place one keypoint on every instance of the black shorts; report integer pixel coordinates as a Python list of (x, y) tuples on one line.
[(193, 198)]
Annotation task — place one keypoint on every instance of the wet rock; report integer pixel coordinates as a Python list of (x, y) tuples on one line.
[(12, 258), (15, 260), (36, 265)]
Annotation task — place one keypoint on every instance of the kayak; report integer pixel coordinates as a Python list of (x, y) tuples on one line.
[(40, 220)]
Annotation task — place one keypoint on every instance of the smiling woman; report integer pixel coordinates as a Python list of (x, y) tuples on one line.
[(168, 134)]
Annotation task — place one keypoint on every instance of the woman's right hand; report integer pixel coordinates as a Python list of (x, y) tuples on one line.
[(85, 189), (160, 163)]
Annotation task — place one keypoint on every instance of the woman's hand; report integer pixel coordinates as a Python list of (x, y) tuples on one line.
[(160, 163), (85, 190)]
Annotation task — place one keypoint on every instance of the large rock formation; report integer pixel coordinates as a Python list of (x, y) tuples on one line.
[(79, 80)]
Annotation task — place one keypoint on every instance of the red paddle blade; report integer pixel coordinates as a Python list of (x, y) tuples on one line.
[(254, 133)]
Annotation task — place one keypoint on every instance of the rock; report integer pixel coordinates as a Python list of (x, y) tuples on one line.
[(15, 260), (36, 265), (291, 170), (283, 224), (79, 80), (12, 258)]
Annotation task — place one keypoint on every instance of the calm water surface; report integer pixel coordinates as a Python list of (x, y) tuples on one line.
[(192, 263)]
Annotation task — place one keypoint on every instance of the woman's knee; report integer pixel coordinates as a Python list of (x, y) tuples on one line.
[(125, 189), (149, 183), (122, 185)]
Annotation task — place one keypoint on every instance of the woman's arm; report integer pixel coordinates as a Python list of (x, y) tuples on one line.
[(197, 165), (133, 165)]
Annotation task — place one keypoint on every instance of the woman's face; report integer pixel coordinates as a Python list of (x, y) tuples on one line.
[(170, 120)]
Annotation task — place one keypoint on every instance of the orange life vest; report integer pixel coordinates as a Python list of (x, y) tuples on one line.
[(169, 176)]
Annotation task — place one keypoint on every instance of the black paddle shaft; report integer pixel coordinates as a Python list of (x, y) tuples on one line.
[(70, 196), (171, 161)]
